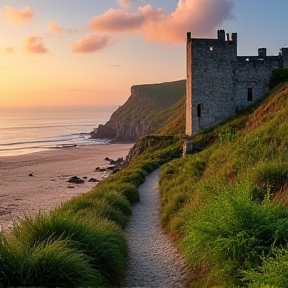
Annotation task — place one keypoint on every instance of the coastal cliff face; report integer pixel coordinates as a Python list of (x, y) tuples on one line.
[(140, 114)]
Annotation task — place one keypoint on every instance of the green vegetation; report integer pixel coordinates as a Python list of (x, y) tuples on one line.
[(278, 76), (226, 206), (151, 99), (81, 243), (147, 110), (154, 104)]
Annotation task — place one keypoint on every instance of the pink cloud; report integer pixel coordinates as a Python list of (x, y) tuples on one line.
[(21, 16), (92, 43), (35, 45), (116, 20), (55, 28), (7, 50), (201, 17)]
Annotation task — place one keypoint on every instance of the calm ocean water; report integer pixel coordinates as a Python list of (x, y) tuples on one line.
[(31, 129)]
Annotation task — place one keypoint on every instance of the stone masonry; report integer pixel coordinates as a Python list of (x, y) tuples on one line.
[(220, 83)]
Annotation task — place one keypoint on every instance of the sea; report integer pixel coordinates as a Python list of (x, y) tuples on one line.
[(25, 130)]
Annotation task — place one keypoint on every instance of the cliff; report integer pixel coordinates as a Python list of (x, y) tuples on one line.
[(150, 107)]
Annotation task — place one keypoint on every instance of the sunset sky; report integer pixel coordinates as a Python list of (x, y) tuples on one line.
[(90, 52)]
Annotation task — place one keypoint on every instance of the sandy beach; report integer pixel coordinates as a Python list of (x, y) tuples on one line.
[(48, 187)]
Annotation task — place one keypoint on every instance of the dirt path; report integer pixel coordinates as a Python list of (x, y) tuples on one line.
[(154, 261)]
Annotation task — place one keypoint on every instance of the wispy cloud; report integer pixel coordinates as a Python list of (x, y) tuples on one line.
[(55, 28), (35, 45), (7, 50), (92, 43), (21, 16), (201, 17)]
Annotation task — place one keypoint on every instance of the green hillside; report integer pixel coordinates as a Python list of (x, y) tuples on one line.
[(150, 107), (226, 206)]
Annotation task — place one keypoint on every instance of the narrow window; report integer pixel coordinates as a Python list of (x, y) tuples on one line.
[(199, 110), (250, 94)]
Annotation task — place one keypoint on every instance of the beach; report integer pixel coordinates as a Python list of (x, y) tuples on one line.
[(38, 181)]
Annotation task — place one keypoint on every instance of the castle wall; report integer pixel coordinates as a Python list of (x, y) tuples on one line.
[(220, 83), (254, 73)]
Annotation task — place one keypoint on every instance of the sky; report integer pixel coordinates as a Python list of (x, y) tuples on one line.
[(90, 52)]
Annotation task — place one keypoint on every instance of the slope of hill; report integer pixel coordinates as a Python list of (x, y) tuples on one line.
[(148, 108), (226, 206)]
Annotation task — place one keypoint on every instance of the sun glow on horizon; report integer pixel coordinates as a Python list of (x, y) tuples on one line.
[(50, 57)]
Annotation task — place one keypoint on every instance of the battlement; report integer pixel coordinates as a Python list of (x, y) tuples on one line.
[(220, 83)]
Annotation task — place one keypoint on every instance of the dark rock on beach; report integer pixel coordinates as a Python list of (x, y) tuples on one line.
[(93, 180), (76, 180)]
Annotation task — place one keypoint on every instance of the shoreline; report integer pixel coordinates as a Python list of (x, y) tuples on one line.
[(47, 186)]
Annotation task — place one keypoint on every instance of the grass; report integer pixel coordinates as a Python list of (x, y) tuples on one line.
[(52, 264), (81, 243), (149, 108), (226, 205), (272, 273), (233, 233), (103, 243)]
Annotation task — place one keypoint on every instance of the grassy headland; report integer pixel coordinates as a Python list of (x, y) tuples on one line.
[(148, 109)]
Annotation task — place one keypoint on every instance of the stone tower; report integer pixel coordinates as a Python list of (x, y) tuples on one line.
[(220, 83)]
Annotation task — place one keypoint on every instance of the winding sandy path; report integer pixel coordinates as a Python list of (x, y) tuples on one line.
[(154, 261)]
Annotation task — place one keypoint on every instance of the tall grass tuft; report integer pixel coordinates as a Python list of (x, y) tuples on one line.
[(103, 243), (51, 264), (232, 233)]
